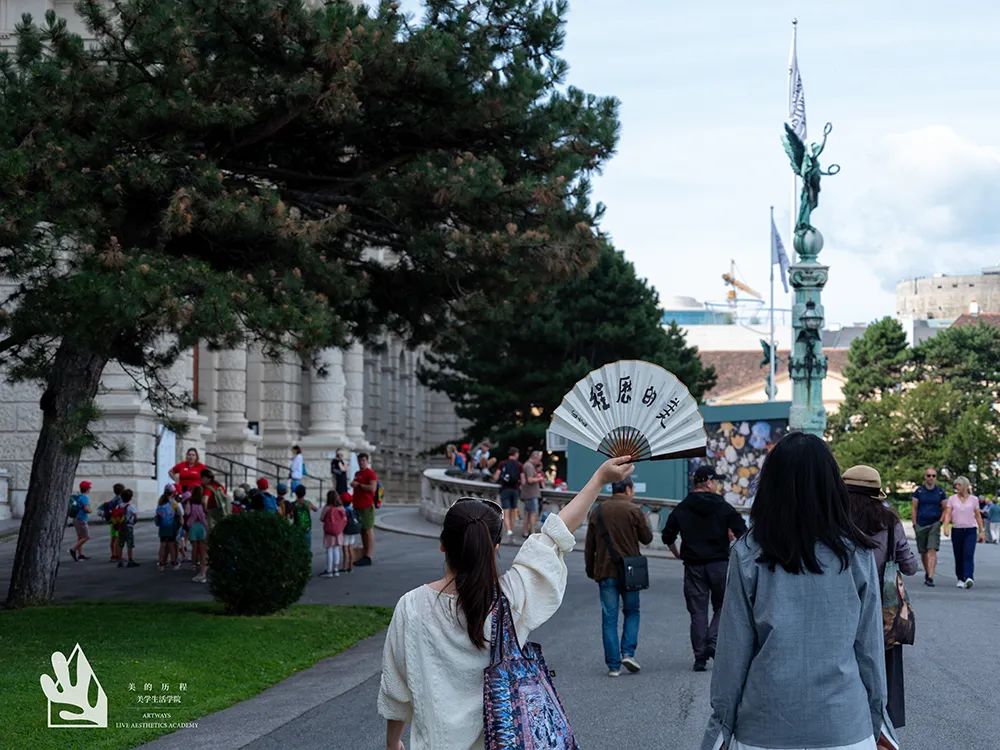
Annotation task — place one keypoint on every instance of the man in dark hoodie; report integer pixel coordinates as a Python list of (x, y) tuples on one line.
[(707, 524)]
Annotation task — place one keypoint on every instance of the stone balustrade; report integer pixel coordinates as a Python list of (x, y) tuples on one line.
[(440, 490)]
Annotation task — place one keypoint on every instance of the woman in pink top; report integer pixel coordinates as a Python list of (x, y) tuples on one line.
[(962, 511)]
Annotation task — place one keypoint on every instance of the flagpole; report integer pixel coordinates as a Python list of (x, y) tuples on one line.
[(772, 386), (793, 213)]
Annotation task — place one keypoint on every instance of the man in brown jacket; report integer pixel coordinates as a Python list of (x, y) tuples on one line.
[(623, 523)]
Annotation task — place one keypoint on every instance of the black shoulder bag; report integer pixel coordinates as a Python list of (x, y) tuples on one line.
[(633, 572)]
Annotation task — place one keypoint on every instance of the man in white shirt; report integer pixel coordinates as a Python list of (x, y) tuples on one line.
[(297, 469)]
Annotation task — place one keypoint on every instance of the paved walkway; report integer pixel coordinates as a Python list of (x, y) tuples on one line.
[(951, 671)]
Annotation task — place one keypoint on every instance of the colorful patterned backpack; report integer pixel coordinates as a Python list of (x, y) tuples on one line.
[(521, 710)]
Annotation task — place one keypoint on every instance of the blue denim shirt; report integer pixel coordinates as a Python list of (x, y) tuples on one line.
[(800, 659)]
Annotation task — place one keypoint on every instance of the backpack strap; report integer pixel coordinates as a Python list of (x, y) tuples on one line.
[(890, 554)]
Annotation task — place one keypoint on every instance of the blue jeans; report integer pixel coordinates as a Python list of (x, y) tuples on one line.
[(614, 651), (963, 542)]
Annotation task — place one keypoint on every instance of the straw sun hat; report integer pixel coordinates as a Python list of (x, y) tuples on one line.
[(865, 478)]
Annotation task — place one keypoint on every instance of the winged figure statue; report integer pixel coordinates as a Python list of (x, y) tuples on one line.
[(805, 163)]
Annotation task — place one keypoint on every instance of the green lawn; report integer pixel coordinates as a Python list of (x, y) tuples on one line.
[(221, 659)]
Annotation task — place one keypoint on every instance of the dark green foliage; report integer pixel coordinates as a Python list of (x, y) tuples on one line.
[(876, 360), (931, 423), (968, 357), (210, 171), (528, 352), (258, 563)]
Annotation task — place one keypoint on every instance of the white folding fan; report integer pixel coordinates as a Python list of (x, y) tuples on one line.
[(632, 408)]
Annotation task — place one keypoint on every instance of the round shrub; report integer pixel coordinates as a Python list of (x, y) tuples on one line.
[(258, 563)]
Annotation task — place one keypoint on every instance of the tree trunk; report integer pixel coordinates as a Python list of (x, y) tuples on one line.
[(72, 386)]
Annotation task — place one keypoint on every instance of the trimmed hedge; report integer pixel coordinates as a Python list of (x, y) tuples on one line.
[(257, 563)]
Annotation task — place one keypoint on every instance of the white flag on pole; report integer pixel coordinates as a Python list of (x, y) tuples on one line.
[(796, 95), (778, 254)]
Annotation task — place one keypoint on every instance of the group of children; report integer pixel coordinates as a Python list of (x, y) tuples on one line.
[(186, 516), (341, 525), (118, 512)]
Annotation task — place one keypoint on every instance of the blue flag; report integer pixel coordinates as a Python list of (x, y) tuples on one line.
[(778, 254)]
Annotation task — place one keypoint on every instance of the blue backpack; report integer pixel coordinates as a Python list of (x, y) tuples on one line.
[(166, 516)]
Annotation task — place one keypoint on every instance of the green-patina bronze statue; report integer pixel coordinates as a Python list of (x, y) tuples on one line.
[(805, 163)]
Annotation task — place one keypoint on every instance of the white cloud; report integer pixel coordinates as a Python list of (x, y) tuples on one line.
[(919, 202)]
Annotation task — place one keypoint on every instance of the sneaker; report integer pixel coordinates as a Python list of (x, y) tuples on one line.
[(960, 585), (969, 583), (326, 574), (631, 664), (929, 582), (700, 665), (121, 564), (175, 565), (336, 574), (510, 534), (200, 579), (159, 567), (132, 564), (81, 556), (72, 553), (363, 562), (614, 672)]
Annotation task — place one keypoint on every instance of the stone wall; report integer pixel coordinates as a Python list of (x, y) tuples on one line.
[(947, 297)]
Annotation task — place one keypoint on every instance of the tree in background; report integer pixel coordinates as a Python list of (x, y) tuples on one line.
[(212, 171), (930, 406), (968, 357), (509, 366), (876, 360)]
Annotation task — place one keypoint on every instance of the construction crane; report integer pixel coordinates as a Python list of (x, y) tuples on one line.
[(734, 283)]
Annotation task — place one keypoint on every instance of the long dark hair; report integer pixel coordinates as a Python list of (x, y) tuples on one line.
[(869, 512), (469, 536), (801, 500)]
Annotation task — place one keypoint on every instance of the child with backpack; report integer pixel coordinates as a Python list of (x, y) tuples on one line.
[(286, 507), (197, 523), (126, 534), (184, 501), (301, 514), (107, 512), (168, 521), (334, 520), (79, 511), (352, 533)]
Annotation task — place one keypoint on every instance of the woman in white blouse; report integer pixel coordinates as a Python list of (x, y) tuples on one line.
[(436, 648)]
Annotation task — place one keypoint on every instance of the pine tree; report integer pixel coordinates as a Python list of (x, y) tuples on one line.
[(509, 366), (218, 171)]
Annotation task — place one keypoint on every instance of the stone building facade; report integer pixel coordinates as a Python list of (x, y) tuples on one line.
[(251, 410), (945, 297)]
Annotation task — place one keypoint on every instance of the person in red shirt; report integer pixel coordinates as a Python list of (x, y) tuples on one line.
[(365, 483), (187, 474)]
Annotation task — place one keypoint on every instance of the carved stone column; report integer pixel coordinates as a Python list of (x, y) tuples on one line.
[(233, 438), (327, 418), (354, 391)]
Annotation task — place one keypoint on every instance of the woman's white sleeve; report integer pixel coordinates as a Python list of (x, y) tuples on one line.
[(395, 702), (537, 579)]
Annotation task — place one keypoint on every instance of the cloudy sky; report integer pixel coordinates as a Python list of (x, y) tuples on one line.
[(911, 90), (913, 96)]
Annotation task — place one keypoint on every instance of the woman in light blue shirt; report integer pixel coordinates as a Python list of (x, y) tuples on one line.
[(800, 657)]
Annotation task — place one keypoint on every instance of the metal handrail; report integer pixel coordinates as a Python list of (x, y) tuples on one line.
[(236, 469)]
